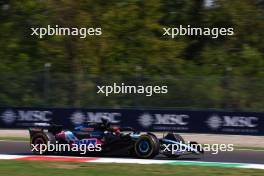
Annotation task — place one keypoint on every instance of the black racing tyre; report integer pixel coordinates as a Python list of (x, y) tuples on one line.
[(41, 139), (147, 146)]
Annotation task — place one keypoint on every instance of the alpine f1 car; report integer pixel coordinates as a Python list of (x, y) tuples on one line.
[(113, 139)]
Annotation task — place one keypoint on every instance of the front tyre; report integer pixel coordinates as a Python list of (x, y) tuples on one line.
[(147, 146)]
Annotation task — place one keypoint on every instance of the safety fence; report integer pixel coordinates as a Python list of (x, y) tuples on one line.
[(186, 121)]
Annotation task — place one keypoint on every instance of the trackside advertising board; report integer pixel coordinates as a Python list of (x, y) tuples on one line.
[(185, 121)]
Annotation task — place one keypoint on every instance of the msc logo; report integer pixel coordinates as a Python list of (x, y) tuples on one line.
[(215, 122), (79, 117), (146, 119), (10, 116)]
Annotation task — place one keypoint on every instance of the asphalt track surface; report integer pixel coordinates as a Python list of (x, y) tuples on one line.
[(236, 156)]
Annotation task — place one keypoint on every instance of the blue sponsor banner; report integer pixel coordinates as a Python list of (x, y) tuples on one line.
[(184, 121)]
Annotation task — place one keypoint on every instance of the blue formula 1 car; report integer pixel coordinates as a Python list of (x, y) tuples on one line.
[(113, 139)]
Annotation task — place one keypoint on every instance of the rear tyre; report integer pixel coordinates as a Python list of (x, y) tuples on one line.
[(40, 140), (147, 146)]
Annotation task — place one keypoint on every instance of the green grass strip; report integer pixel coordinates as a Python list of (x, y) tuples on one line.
[(214, 164)]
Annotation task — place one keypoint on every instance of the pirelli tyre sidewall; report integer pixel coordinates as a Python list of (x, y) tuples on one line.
[(147, 146), (42, 138)]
